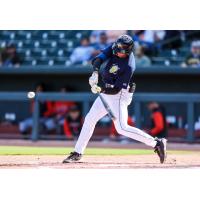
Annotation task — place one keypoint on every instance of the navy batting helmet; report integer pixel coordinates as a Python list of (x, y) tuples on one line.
[(124, 45)]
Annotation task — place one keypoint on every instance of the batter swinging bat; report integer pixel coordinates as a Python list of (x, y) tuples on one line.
[(110, 113)]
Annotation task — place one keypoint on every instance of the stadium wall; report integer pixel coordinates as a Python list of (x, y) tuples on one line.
[(154, 79), (149, 80)]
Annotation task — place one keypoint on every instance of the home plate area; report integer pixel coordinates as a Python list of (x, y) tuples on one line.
[(102, 162)]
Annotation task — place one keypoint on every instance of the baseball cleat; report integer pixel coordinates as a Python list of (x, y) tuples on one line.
[(73, 157), (160, 149)]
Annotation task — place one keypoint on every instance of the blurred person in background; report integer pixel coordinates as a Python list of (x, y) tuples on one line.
[(158, 120), (95, 36), (174, 39), (83, 53), (73, 123), (102, 44), (114, 34), (45, 112), (150, 39), (141, 59), (152, 36), (58, 112), (10, 57), (193, 59)]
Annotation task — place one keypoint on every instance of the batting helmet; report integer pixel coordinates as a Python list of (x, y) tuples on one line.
[(124, 45)]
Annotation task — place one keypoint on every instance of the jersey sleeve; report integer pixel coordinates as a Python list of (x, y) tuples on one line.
[(102, 57), (126, 79), (131, 62), (106, 53), (133, 67)]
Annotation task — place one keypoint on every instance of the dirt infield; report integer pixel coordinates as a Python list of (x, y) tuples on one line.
[(175, 160), (102, 162)]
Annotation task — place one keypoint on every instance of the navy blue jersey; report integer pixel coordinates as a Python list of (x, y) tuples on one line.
[(117, 72)]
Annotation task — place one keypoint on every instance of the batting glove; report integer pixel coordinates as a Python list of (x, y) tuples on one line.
[(95, 89), (93, 80)]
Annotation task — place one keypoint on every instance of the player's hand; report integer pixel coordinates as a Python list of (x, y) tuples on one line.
[(95, 89), (93, 80)]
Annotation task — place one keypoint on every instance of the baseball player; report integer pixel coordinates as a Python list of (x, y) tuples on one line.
[(117, 90)]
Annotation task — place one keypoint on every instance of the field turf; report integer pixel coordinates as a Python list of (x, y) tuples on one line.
[(23, 150)]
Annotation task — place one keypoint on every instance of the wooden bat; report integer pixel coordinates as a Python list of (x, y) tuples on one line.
[(110, 112)]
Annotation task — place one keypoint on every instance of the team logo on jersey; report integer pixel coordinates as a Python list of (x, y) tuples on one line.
[(114, 69)]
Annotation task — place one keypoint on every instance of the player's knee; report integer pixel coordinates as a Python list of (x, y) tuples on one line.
[(118, 128), (90, 118)]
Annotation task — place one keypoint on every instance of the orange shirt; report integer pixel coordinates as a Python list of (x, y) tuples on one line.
[(159, 123), (62, 107)]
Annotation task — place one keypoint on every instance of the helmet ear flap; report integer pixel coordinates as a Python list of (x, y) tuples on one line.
[(114, 46)]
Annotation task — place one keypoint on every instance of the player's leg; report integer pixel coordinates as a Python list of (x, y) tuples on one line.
[(121, 113), (96, 112), (123, 128), (49, 124), (25, 125)]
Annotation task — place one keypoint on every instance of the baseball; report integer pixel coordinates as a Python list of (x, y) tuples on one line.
[(31, 95)]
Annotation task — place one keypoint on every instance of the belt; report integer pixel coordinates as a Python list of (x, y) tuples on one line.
[(107, 85)]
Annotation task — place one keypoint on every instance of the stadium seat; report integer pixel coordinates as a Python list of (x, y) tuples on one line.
[(62, 43), (52, 52), (60, 61), (158, 60), (22, 53), (29, 61), (56, 46), (28, 44), (184, 51), (43, 46)]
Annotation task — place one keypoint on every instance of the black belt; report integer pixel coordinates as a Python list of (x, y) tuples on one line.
[(110, 89), (107, 85)]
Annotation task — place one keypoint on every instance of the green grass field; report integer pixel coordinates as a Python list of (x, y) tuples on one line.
[(21, 150)]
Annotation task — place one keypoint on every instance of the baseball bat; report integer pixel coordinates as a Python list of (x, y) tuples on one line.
[(107, 107)]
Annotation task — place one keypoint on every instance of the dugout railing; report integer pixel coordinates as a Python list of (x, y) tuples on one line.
[(86, 98)]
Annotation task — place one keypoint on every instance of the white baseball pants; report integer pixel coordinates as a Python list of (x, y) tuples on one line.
[(118, 104)]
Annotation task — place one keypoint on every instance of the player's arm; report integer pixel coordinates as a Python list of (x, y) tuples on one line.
[(102, 57), (96, 64)]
